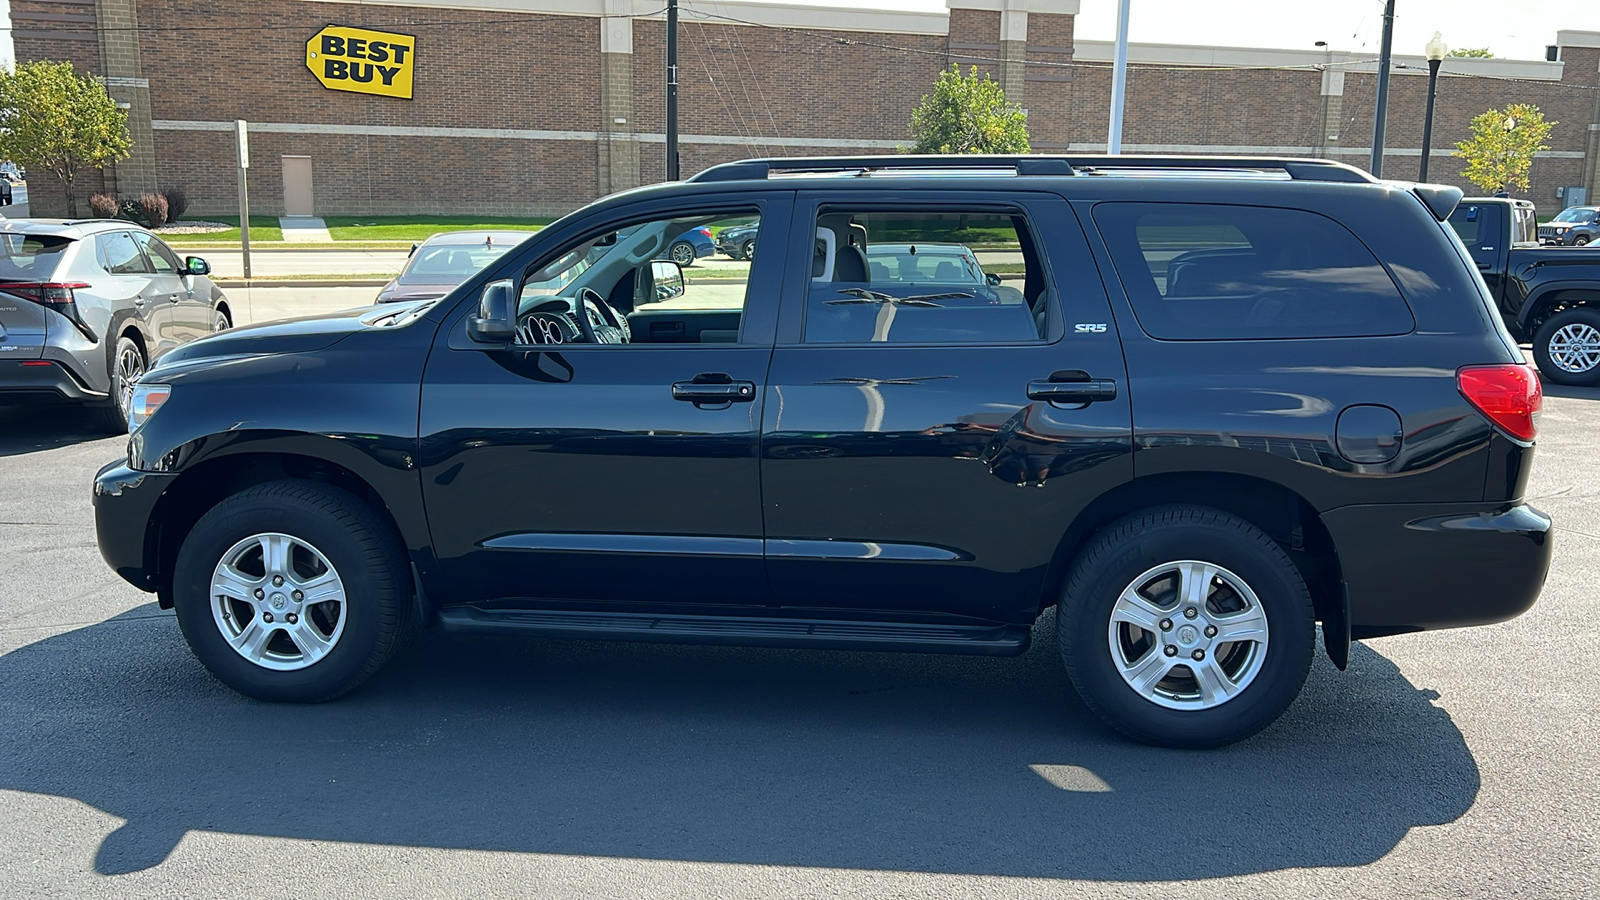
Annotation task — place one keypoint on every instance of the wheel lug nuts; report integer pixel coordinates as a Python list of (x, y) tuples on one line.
[(293, 619), (299, 596), (277, 581), (1166, 624), (1211, 631), (1171, 650), (1190, 613), (266, 617), (260, 594), (1198, 655)]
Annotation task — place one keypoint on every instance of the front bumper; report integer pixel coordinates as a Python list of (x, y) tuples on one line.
[(124, 501), (41, 382), (1419, 567)]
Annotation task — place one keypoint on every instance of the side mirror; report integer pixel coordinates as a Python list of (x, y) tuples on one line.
[(992, 278), (668, 278), (194, 265), (495, 322)]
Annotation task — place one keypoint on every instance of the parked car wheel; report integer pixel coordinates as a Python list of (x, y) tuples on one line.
[(682, 253), (292, 591), (220, 320), (1186, 626), (1581, 240), (748, 249), (127, 365), (1567, 347)]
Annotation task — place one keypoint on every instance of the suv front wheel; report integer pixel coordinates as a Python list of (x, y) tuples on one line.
[(1186, 626), (292, 591)]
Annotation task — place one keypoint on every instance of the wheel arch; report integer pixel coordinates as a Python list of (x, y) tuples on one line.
[(1554, 299), (202, 486), (1283, 514)]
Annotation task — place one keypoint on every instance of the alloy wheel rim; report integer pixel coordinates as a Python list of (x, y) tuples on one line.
[(130, 366), (683, 254), (1575, 348), (278, 601), (750, 250), (1188, 635), (221, 322)]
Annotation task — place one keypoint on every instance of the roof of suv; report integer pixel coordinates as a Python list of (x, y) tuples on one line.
[(67, 228)]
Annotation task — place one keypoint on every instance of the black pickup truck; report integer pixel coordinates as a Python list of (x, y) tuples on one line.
[(1549, 297)]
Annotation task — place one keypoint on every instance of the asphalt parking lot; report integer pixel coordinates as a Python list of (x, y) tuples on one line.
[(1451, 764)]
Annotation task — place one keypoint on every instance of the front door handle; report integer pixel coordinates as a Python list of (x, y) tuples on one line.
[(714, 388), (1072, 387)]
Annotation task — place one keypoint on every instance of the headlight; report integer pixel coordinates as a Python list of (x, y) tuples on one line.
[(147, 400)]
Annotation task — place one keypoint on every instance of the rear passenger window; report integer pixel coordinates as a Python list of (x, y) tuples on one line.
[(120, 255), (946, 277), (1215, 272)]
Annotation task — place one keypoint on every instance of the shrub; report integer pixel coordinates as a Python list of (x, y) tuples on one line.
[(155, 209), (177, 203), (129, 209), (104, 206)]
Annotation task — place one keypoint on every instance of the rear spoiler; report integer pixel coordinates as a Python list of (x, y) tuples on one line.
[(1441, 199)]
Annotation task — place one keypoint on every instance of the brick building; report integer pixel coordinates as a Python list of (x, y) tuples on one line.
[(537, 106)]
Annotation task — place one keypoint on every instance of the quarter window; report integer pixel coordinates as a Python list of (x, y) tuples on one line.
[(945, 277), (1214, 272)]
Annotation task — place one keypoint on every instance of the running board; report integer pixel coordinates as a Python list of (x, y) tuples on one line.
[(743, 631)]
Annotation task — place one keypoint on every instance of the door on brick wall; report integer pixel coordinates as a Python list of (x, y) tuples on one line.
[(297, 197)]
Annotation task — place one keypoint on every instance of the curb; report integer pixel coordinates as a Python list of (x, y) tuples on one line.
[(297, 282)]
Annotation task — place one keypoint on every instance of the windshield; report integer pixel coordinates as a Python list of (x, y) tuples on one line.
[(1574, 215), (30, 257), (923, 263), (451, 262)]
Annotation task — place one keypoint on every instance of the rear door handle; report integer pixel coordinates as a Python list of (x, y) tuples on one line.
[(1072, 387), (714, 388)]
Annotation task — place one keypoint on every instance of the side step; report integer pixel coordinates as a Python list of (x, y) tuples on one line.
[(743, 631)]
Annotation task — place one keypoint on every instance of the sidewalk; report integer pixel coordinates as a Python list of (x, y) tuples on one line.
[(304, 230)]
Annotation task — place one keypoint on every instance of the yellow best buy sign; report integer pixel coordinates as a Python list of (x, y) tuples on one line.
[(366, 62)]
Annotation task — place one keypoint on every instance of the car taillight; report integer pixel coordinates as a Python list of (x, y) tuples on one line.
[(705, 231), (1509, 395), (56, 295)]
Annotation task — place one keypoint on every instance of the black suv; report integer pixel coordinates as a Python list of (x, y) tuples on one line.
[(1217, 403)]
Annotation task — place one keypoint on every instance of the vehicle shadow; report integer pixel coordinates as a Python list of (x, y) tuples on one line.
[(1571, 393), (26, 429), (785, 758)]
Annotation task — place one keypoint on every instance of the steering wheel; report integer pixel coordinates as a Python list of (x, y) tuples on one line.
[(586, 298)]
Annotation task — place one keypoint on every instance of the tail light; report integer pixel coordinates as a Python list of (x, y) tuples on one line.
[(704, 231), (56, 295), (1509, 395)]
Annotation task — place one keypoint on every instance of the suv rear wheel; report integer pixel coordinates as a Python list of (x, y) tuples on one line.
[(127, 365), (1186, 626), (1567, 347), (292, 591)]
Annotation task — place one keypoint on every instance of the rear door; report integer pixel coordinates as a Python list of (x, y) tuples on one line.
[(191, 316), (930, 433), (131, 282), (1483, 228)]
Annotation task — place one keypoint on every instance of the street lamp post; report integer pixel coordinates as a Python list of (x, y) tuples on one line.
[(1437, 49)]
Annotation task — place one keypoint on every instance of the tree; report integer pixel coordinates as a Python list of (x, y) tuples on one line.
[(1472, 52), (1503, 143), (965, 114), (53, 119)]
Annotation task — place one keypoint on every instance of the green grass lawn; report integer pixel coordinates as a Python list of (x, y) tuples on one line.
[(420, 228), (262, 228)]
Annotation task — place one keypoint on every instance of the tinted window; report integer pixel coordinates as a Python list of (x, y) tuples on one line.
[(120, 255), (31, 257), (452, 263), (1214, 272), (945, 277), (165, 262)]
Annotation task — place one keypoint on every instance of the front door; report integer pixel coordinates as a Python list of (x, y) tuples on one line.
[(934, 423), (561, 469), (191, 315)]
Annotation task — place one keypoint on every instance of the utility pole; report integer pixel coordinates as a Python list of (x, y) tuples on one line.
[(1382, 113), (672, 90), (242, 135), (1119, 79)]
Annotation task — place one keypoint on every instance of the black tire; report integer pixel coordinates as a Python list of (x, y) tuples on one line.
[(357, 544), (682, 253), (1118, 555), (1583, 320), (1581, 240), (220, 320), (747, 250), (126, 365)]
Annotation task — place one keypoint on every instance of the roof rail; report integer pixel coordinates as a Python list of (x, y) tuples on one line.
[(1028, 164)]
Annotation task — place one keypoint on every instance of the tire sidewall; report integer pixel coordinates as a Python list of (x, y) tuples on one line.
[(119, 397), (675, 251), (1541, 347), (1085, 615), (228, 524)]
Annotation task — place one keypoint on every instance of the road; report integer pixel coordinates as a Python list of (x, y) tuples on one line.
[(1453, 764)]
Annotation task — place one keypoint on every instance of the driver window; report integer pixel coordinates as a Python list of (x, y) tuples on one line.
[(681, 280)]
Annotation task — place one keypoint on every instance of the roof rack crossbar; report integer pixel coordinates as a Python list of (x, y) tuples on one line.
[(1030, 164)]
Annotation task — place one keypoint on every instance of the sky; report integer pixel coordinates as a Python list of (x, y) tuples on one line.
[(1515, 29)]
